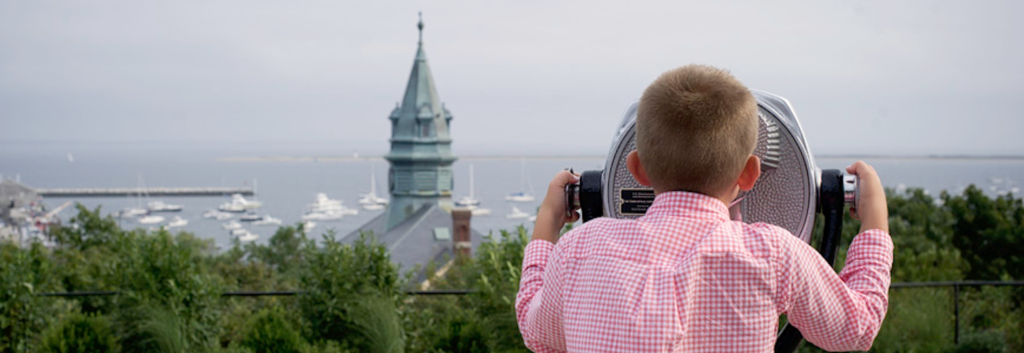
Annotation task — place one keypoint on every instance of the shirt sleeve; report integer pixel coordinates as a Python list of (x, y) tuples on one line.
[(538, 303), (837, 312)]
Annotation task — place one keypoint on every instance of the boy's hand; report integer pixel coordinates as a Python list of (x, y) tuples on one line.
[(551, 216), (872, 210)]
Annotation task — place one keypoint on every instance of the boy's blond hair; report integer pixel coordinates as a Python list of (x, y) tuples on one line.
[(696, 127)]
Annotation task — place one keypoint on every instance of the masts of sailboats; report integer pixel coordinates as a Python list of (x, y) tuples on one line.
[(370, 200), (522, 195), (470, 200), (136, 208)]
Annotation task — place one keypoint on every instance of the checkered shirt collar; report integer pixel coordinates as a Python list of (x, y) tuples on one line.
[(688, 204)]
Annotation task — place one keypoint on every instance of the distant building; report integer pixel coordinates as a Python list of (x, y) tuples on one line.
[(14, 195), (417, 225)]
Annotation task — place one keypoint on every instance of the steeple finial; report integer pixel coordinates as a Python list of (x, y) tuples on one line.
[(420, 25)]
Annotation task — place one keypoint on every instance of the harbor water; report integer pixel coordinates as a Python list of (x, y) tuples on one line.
[(286, 183)]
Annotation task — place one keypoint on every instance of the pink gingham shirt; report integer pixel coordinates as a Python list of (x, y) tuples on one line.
[(684, 278)]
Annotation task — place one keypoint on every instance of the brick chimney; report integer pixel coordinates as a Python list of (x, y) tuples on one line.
[(461, 245)]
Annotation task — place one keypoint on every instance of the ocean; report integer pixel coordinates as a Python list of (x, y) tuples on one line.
[(285, 185)]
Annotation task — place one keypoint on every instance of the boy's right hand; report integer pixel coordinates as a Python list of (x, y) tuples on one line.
[(872, 209), (551, 217)]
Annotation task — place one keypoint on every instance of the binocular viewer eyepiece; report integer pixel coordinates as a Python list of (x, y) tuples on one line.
[(585, 195)]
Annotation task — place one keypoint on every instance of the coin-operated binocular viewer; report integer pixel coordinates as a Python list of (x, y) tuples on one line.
[(789, 193)]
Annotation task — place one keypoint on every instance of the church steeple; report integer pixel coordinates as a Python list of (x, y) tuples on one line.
[(421, 155)]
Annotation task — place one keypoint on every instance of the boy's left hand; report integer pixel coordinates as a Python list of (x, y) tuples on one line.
[(551, 217)]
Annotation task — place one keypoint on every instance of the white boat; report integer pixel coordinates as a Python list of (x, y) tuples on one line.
[(150, 219), (231, 225), (374, 203), (326, 209), (322, 216), (239, 204), (211, 214), (131, 212), (160, 206), (324, 204), (223, 216), (517, 214), (370, 199), (250, 217), (524, 185), (238, 231), (467, 201), (481, 211), (519, 197), (177, 222), (267, 221), (248, 237), (308, 226), (532, 218)]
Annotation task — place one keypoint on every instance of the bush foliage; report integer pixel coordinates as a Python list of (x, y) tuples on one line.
[(79, 333), (354, 297)]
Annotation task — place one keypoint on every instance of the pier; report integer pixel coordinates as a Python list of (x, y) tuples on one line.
[(108, 192)]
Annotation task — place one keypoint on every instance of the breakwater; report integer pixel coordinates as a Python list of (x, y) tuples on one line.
[(107, 192)]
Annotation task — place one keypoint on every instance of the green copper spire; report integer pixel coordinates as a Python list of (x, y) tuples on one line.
[(421, 156)]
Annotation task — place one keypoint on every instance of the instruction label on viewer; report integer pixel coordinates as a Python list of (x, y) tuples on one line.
[(635, 201)]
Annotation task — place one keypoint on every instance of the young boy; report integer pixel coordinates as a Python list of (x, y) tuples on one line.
[(684, 277)]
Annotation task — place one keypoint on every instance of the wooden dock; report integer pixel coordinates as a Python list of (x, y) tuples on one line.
[(109, 192)]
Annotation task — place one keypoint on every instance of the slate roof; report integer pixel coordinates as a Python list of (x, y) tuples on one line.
[(413, 242)]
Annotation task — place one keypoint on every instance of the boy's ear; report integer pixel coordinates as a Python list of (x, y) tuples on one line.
[(637, 169), (751, 171)]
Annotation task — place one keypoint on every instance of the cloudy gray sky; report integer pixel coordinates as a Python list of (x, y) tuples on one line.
[(897, 77)]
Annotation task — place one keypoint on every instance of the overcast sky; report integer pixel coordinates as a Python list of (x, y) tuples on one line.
[(894, 77)]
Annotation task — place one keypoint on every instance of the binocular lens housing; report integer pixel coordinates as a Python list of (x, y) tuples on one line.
[(785, 195)]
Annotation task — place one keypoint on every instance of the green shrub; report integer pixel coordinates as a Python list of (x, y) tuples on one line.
[(23, 273), (494, 275), (150, 328), (981, 342), (460, 332), (79, 333), (378, 322), (270, 332), (233, 349), (482, 321), (164, 276), (339, 279), (328, 347)]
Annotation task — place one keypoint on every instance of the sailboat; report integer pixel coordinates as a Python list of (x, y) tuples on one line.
[(136, 210), (517, 214), (177, 222), (160, 206), (267, 221), (471, 202), (150, 219), (157, 205), (370, 200), (467, 201), (521, 195)]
